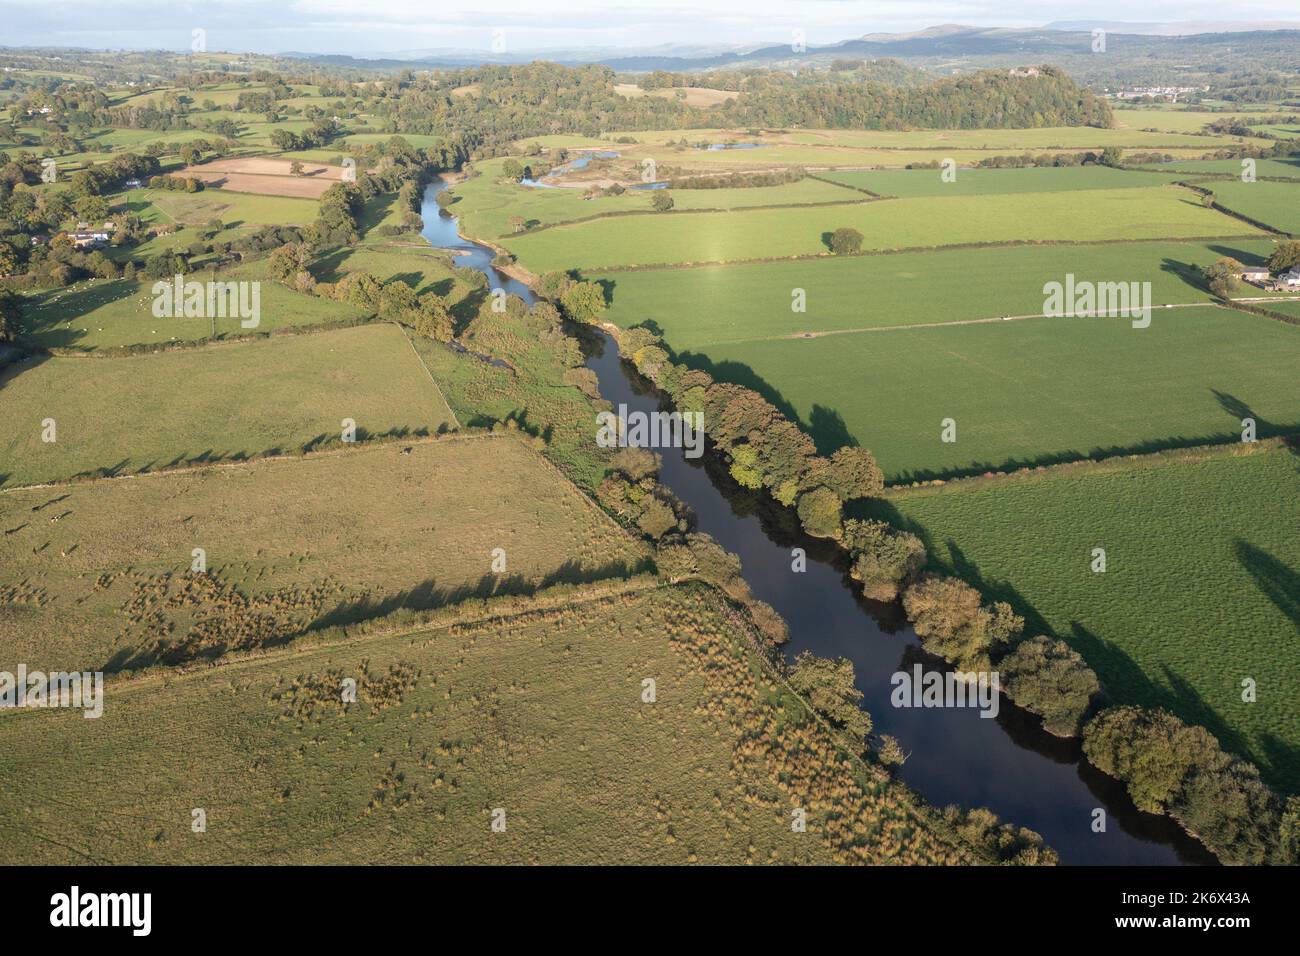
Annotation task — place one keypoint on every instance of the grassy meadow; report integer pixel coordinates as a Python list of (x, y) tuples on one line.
[(224, 401), (1156, 212), (1200, 589), (1275, 204), (537, 715), (907, 183), (97, 574)]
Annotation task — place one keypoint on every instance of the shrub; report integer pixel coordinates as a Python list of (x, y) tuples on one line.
[(830, 689)]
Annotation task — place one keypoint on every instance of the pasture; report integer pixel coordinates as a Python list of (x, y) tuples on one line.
[(712, 305), (1156, 212), (906, 183), (217, 402), (1275, 204), (1199, 592), (98, 575), (486, 203), (1031, 391), (109, 313)]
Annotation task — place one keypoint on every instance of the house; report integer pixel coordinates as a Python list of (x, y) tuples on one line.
[(1257, 275), (89, 240), (133, 184), (1286, 281)]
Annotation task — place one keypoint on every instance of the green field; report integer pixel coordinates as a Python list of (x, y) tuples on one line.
[(105, 313), (1200, 590), (1158, 212), (1276, 204), (486, 203), (1264, 168), (291, 545), (537, 715), (1029, 391), (232, 208), (117, 415), (711, 305), (907, 183)]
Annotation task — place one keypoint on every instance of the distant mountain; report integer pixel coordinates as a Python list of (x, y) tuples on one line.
[(1188, 28)]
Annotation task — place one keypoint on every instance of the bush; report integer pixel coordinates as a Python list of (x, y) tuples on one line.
[(829, 687), (1050, 679)]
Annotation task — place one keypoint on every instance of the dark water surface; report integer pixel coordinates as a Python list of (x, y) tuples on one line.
[(1007, 764)]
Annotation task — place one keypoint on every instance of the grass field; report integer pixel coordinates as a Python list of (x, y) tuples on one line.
[(1029, 391), (97, 575), (232, 208), (1158, 212), (104, 313), (539, 716), (1200, 591), (1274, 168), (979, 182), (1276, 204), (218, 402), (710, 305), (485, 203)]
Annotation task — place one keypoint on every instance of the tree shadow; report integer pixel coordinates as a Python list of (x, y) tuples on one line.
[(1277, 582)]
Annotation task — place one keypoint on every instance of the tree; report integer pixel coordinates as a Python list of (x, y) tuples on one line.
[(1286, 255), (1223, 276), (517, 223), (444, 199), (950, 621), (883, 559), (10, 310), (511, 169), (295, 168), (846, 241), (819, 512), (1111, 156), (583, 301), (433, 319), (1049, 678), (853, 473), (661, 201), (829, 687), (286, 262)]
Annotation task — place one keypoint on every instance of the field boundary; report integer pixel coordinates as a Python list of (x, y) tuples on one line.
[(436, 387)]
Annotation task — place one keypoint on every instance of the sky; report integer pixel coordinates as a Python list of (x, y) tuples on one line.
[(371, 27)]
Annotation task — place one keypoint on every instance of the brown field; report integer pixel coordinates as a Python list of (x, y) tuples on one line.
[(266, 176), (692, 95)]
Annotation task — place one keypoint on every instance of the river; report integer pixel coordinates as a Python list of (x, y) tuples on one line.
[(1008, 764)]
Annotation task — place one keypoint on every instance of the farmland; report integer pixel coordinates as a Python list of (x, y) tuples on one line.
[(100, 571), (538, 715), (219, 402), (1275, 204), (1024, 392), (1158, 212), (906, 183), (716, 305), (1199, 590)]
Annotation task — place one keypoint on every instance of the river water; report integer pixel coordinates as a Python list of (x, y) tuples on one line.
[(1008, 764)]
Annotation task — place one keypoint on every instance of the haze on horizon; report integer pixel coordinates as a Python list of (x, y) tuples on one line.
[(410, 28)]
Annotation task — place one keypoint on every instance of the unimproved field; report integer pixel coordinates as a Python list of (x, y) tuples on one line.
[(1151, 213), (115, 415), (1201, 589), (534, 722), (710, 305), (97, 575), (1029, 391)]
